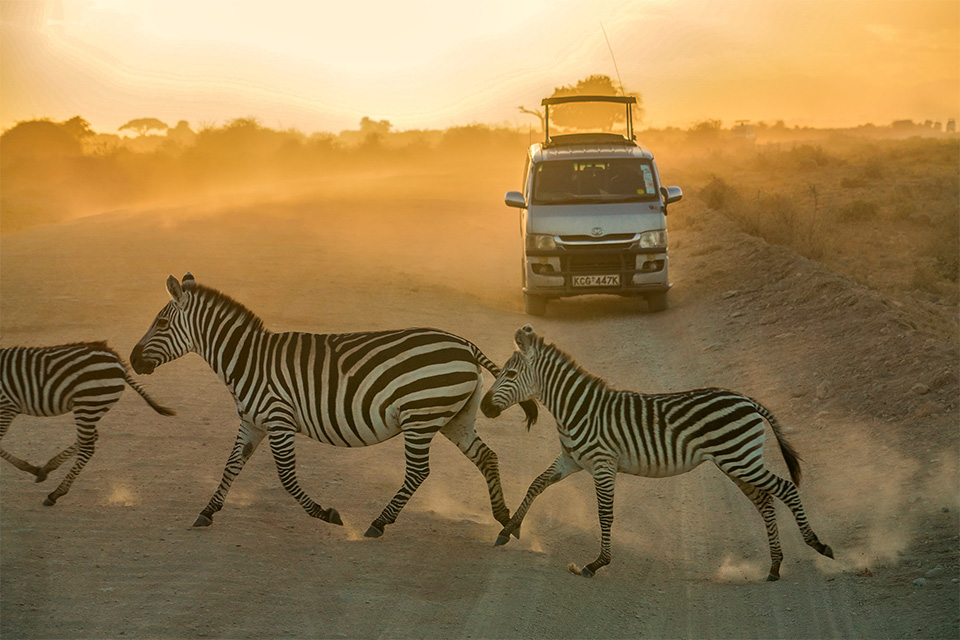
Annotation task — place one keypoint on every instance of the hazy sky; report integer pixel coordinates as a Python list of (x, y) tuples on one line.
[(322, 66)]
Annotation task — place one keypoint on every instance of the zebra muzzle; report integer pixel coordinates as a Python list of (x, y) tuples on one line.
[(488, 408), (140, 364)]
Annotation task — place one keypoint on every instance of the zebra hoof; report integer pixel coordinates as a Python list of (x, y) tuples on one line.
[(49, 501), (332, 516), (41, 475), (827, 551), (373, 532), (202, 521), (501, 540), (772, 577), (586, 573), (516, 533)]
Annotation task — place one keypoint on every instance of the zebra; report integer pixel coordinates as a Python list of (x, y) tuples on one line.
[(606, 431), (348, 390), (85, 378)]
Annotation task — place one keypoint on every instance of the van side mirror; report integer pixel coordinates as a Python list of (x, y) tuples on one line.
[(515, 199), (671, 194)]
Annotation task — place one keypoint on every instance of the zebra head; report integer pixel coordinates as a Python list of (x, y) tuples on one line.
[(167, 338), (518, 381)]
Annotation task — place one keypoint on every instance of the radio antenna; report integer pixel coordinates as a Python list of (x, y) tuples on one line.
[(619, 81)]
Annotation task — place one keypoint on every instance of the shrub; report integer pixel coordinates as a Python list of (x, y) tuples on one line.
[(858, 211), (873, 169), (717, 194), (808, 156), (853, 183)]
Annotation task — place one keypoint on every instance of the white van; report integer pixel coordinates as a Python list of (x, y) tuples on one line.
[(592, 215)]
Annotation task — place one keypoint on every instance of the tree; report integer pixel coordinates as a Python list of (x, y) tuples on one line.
[(143, 125), (592, 116), (182, 134), (537, 113), (78, 128), (373, 132), (37, 139)]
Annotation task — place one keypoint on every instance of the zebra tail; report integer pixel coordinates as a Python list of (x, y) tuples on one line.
[(529, 406), (790, 454), (164, 411)]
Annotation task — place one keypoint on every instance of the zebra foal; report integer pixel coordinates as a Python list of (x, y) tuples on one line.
[(85, 378), (347, 390), (606, 432)]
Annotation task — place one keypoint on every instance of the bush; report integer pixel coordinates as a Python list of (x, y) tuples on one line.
[(853, 183), (858, 211), (717, 194)]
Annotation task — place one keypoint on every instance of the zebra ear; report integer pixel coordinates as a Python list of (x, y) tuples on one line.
[(189, 282), (524, 337), (175, 291)]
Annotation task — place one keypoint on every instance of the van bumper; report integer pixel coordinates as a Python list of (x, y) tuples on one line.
[(553, 276)]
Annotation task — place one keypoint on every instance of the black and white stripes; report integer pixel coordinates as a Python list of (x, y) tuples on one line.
[(85, 378), (606, 431), (348, 390)]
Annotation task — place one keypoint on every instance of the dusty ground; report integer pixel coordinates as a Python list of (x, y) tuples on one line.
[(836, 361)]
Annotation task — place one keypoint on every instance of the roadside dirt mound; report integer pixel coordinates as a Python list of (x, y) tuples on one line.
[(886, 359)]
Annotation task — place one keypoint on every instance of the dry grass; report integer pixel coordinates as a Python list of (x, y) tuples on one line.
[(885, 212)]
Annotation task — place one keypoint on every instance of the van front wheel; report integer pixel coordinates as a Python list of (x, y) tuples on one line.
[(657, 302), (534, 305)]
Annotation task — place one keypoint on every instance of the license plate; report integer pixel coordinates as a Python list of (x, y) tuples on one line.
[(612, 280)]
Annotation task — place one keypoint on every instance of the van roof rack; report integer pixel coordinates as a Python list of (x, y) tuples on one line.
[(572, 139), (627, 101)]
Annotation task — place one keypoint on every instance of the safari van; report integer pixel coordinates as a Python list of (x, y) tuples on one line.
[(592, 215)]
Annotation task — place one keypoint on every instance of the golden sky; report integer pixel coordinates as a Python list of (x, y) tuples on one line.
[(318, 65)]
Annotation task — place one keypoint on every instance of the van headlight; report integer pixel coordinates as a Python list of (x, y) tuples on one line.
[(540, 242), (653, 239)]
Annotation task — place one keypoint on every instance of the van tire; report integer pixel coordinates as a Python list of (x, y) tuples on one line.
[(534, 305), (657, 302)]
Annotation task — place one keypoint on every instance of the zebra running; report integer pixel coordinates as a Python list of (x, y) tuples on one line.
[(606, 431), (347, 390), (85, 378)]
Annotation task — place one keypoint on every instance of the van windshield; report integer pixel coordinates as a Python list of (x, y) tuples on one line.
[(603, 180)]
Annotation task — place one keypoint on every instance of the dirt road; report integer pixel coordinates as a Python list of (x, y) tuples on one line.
[(118, 558)]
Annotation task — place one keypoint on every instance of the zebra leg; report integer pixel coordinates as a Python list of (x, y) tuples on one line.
[(787, 491), (465, 437), (55, 462), (562, 467), (248, 439), (6, 417), (281, 444), (86, 439), (417, 456), (764, 503), (604, 479)]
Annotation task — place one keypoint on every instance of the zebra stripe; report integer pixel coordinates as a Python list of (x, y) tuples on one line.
[(85, 378), (347, 390), (606, 431)]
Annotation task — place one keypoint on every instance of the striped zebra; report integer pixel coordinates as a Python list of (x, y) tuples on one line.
[(606, 431), (347, 390), (85, 378)]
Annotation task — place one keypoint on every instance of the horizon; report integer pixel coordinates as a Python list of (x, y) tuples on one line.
[(316, 67)]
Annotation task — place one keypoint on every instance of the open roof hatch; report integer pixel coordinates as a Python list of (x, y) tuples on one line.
[(588, 138)]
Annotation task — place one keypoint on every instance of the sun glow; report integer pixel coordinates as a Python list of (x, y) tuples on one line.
[(323, 66)]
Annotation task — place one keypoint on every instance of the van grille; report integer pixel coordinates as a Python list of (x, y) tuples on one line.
[(598, 262), (622, 237)]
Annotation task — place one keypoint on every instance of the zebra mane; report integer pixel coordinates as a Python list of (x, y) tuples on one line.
[(225, 304), (554, 352)]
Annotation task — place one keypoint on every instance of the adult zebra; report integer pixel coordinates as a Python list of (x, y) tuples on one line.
[(348, 390), (606, 431), (85, 378)]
